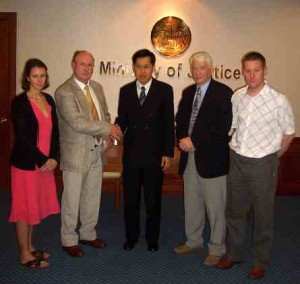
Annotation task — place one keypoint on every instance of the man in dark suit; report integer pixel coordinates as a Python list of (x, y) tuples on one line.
[(146, 117), (202, 125)]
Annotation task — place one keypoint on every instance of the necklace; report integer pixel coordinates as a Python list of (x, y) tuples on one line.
[(37, 98)]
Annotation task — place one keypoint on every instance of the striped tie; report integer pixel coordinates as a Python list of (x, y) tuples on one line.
[(142, 96), (195, 109)]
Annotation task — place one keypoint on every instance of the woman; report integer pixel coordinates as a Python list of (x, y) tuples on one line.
[(34, 157)]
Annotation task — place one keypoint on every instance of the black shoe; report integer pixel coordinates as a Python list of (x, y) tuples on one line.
[(129, 245), (153, 247)]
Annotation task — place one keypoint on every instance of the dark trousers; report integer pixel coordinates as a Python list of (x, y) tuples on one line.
[(134, 179), (251, 187)]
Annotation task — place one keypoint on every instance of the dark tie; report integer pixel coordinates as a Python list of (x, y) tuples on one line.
[(142, 96), (195, 109)]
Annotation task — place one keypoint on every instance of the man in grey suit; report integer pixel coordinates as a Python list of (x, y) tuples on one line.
[(85, 133)]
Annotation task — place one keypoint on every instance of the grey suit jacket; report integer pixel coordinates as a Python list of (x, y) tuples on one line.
[(76, 127)]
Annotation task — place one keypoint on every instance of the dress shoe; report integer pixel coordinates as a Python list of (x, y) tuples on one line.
[(226, 263), (153, 247), (74, 251), (184, 249), (211, 260), (97, 243), (129, 245), (256, 273)]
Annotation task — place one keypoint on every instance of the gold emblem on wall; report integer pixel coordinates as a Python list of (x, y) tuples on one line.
[(171, 36)]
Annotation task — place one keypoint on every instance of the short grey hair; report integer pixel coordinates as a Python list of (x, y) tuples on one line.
[(201, 56)]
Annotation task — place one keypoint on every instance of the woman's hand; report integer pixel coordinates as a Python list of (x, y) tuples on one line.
[(49, 166)]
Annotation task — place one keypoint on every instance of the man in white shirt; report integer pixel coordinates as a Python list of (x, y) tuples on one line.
[(262, 129)]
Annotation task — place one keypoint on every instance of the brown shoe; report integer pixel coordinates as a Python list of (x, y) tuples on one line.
[(226, 263), (256, 273), (211, 260), (184, 249), (74, 251), (97, 243)]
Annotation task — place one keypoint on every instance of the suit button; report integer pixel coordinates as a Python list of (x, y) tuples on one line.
[(146, 127)]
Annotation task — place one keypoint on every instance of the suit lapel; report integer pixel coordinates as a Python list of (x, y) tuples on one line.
[(151, 95), (205, 102), (133, 96), (190, 99), (150, 98), (208, 95), (97, 93), (99, 97)]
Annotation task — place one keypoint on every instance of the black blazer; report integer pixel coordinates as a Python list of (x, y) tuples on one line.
[(148, 129), (210, 133), (25, 154)]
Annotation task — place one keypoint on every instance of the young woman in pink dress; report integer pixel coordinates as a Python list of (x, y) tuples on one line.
[(33, 159)]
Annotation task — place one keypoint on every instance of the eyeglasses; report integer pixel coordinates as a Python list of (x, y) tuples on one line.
[(83, 65)]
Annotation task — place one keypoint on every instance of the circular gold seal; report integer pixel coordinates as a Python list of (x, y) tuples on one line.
[(171, 36)]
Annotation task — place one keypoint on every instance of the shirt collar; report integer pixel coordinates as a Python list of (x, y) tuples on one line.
[(147, 86), (265, 91), (80, 84), (204, 87)]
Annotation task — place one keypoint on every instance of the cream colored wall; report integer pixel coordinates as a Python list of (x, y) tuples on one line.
[(113, 30)]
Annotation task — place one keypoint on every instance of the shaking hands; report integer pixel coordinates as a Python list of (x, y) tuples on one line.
[(115, 132)]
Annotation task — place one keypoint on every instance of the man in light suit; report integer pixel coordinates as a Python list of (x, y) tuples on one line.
[(85, 132), (146, 116), (202, 125)]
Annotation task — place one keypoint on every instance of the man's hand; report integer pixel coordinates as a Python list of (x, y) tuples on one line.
[(165, 163), (108, 143), (285, 143), (186, 144), (49, 166), (115, 132)]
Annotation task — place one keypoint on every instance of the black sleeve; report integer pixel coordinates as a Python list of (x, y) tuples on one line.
[(122, 119), (26, 130), (169, 123)]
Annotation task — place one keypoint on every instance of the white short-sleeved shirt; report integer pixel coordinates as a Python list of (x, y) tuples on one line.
[(260, 121)]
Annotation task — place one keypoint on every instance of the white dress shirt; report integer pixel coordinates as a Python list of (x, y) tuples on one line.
[(139, 87), (96, 103), (260, 121), (94, 98)]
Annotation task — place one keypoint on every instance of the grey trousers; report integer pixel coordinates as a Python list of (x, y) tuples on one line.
[(81, 202), (204, 195), (251, 186)]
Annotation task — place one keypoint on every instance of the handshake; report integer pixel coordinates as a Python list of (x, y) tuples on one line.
[(115, 132)]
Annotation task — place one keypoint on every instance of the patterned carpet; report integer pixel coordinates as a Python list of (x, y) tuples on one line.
[(114, 265)]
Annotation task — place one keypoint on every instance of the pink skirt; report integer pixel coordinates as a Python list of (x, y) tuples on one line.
[(34, 195)]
